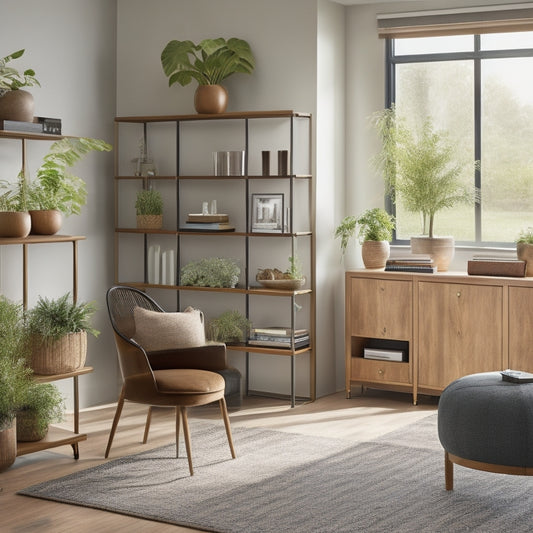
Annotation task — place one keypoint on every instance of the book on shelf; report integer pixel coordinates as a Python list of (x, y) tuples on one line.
[(50, 125), (209, 226), (200, 218), (421, 269), (17, 125), (277, 338), (300, 343), (409, 259), (279, 331)]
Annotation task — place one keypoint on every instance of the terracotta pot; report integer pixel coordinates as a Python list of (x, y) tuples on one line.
[(149, 221), (375, 253), (17, 105), (524, 252), (46, 221), (27, 427), (16, 224), (210, 99), (8, 446), (440, 249)]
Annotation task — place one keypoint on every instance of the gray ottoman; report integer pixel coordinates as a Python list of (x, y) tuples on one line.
[(487, 424)]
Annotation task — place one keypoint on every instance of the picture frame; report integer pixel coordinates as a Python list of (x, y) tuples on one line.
[(267, 212)]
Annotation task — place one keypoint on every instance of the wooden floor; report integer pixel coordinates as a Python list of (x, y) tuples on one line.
[(360, 418)]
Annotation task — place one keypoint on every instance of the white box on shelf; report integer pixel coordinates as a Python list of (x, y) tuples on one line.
[(383, 355)]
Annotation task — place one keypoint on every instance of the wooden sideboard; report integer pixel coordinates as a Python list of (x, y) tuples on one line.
[(449, 325)]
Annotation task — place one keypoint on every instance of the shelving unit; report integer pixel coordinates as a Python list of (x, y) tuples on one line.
[(56, 436), (243, 185)]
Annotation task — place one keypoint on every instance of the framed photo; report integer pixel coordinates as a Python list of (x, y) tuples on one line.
[(267, 213)]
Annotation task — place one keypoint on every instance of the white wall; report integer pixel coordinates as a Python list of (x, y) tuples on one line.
[(71, 46)]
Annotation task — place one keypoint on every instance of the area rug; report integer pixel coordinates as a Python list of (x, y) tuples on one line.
[(285, 482)]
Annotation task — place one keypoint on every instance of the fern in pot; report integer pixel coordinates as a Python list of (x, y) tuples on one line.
[(149, 209), (42, 405), (58, 334), (231, 327)]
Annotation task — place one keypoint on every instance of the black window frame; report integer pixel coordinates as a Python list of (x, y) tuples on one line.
[(476, 55)]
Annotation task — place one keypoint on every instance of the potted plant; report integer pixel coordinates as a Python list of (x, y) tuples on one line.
[(15, 220), (209, 62), (211, 272), (58, 334), (524, 249), (375, 232), (15, 103), (421, 169), (230, 327), (42, 405), (55, 191), (149, 209), (15, 376)]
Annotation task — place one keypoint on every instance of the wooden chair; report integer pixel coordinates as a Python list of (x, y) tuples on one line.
[(179, 377)]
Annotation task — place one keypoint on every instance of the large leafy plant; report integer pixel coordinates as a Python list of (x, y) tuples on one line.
[(11, 79), (55, 187), (209, 62), (420, 167)]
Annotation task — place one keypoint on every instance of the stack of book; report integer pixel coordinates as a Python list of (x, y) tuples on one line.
[(486, 265), (411, 263), (278, 337), (213, 222)]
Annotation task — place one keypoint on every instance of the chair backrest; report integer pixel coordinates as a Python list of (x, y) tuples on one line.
[(121, 301)]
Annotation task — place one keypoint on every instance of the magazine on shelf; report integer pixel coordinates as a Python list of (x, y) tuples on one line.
[(278, 331)]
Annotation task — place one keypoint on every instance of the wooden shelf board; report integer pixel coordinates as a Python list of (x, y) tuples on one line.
[(40, 239), (270, 350), (55, 437), (239, 290), (9, 134), (219, 116), (44, 378), (211, 177), (233, 233)]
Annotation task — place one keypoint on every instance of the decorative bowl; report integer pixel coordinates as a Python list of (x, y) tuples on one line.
[(284, 284)]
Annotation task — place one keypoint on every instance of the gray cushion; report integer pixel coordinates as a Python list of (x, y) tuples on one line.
[(483, 418)]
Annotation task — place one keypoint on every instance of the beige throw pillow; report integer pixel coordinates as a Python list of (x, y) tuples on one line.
[(165, 331)]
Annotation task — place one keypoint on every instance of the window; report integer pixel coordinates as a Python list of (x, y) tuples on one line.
[(479, 88)]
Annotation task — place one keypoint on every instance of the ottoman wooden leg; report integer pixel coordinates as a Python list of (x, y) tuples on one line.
[(448, 472)]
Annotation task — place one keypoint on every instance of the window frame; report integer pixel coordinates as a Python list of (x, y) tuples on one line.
[(477, 56)]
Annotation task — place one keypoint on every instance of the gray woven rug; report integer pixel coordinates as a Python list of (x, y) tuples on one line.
[(283, 482)]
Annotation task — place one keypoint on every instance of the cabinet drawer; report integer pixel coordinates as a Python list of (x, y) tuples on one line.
[(381, 309), (379, 371)]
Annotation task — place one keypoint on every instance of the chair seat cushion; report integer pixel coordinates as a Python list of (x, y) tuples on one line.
[(188, 381), (165, 331)]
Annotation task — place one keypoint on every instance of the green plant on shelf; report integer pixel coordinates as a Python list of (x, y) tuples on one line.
[(229, 327), (149, 202), (211, 272)]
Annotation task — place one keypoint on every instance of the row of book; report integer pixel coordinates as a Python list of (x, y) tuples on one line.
[(207, 222), (278, 337), (47, 125), (412, 263)]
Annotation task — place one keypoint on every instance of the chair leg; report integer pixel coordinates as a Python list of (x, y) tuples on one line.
[(448, 472), (118, 412), (177, 432), (147, 425), (224, 410), (187, 435)]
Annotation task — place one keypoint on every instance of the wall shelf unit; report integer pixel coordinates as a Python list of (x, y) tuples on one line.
[(56, 436), (187, 176)]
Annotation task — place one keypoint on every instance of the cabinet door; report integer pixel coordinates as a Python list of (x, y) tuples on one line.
[(381, 309), (520, 332), (460, 331)]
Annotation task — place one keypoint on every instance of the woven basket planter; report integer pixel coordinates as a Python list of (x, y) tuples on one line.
[(149, 221), (59, 357)]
